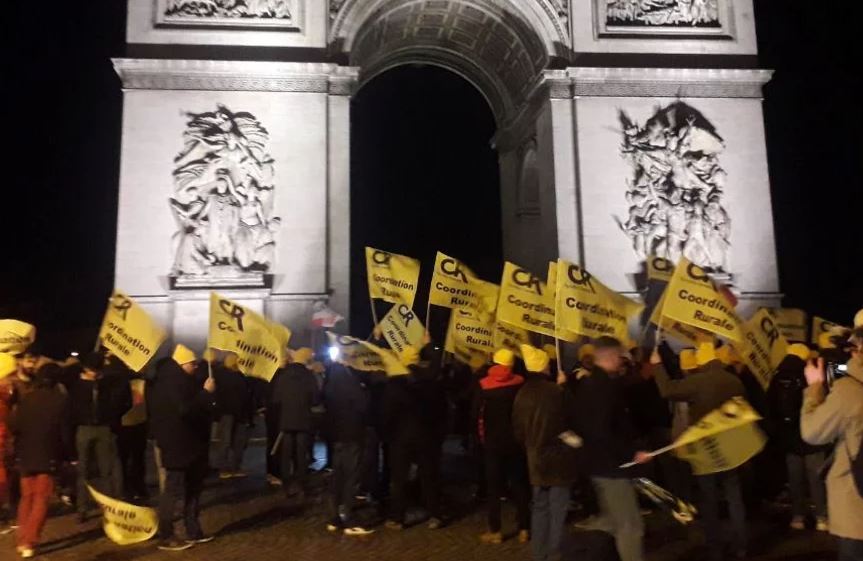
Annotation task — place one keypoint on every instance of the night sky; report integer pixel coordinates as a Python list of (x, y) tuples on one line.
[(420, 134)]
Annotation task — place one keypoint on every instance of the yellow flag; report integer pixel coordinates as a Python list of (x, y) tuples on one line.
[(723, 439), (525, 301), (686, 334), (588, 307), (129, 332), (468, 331), (254, 339), (821, 325), (455, 286), (455, 343), (124, 523), (560, 332), (366, 357), (401, 328), (693, 299), (764, 347), (392, 277), (16, 336), (659, 268), (510, 337), (791, 323)]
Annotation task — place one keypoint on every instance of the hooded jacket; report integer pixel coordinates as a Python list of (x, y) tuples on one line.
[(415, 406), (704, 390), (492, 409), (295, 392), (785, 400), (347, 406)]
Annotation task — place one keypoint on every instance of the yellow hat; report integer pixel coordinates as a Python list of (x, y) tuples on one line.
[(504, 357), (727, 355), (858, 318), (706, 353), (585, 351), (410, 356), (550, 350), (687, 360), (8, 365), (799, 350), (535, 360), (209, 355), (824, 341), (183, 355), (303, 355), (232, 361), (477, 361)]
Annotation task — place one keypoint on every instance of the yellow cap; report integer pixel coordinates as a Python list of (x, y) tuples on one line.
[(232, 361), (410, 356), (535, 360), (504, 357), (687, 360), (585, 351), (858, 319), (706, 353), (824, 341), (303, 355), (8, 365), (727, 355), (210, 355), (799, 350), (550, 350), (183, 355)]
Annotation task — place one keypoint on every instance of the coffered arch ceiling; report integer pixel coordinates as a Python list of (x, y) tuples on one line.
[(501, 46)]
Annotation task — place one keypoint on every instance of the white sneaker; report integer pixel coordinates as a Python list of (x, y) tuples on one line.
[(26, 552), (798, 523), (358, 531), (822, 525)]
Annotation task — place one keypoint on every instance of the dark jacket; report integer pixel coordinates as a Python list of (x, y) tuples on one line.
[(603, 421), (347, 406), (233, 394), (492, 409), (180, 413), (414, 407), (704, 390), (785, 401), (295, 392), (43, 436), (112, 395), (538, 417)]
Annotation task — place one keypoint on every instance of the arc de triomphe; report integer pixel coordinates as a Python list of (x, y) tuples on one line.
[(623, 129)]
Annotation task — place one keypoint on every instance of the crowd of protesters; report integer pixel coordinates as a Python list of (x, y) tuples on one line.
[(545, 436)]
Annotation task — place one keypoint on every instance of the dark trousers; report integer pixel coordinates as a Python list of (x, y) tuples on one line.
[(233, 436), (370, 481), (97, 447), (346, 463), (183, 485), (549, 518), (427, 457), (502, 468), (295, 459), (850, 550), (271, 422), (132, 448), (708, 487)]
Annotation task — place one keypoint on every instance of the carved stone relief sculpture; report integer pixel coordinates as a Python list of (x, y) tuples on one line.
[(651, 13), (276, 9)]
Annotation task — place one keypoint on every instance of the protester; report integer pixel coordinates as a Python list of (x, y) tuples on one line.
[(803, 461), (835, 415), (42, 441), (603, 421), (504, 460), (234, 407), (706, 390), (8, 366), (538, 418), (97, 403), (132, 435), (180, 413), (295, 392)]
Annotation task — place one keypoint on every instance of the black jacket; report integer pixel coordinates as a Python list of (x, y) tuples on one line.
[(113, 398), (43, 436), (180, 413), (414, 408), (233, 394), (295, 392), (603, 421), (347, 406), (785, 400), (538, 417)]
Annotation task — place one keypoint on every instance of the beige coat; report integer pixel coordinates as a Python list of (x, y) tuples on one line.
[(839, 418)]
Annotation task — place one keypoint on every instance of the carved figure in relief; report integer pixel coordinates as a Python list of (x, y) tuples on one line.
[(656, 13)]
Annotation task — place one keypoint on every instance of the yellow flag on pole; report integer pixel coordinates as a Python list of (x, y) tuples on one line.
[(764, 346), (255, 340), (129, 332), (455, 286), (16, 336), (659, 269), (455, 344), (791, 323), (692, 298), (686, 334), (392, 277), (366, 357), (723, 439), (124, 523), (510, 337), (821, 325), (471, 332), (401, 328), (525, 301)]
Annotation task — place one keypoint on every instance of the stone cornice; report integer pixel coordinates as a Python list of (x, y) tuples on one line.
[(668, 82), (220, 75)]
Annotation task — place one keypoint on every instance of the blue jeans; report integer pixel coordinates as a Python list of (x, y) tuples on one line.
[(850, 550), (547, 521), (708, 486)]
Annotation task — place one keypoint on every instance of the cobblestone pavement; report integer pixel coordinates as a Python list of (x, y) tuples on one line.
[(252, 522)]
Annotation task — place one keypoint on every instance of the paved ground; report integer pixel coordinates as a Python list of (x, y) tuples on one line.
[(253, 523)]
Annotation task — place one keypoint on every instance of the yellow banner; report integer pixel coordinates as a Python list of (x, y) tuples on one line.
[(16, 336), (366, 357), (255, 340), (693, 299), (455, 286), (401, 328), (686, 334), (392, 277), (723, 440), (764, 347), (455, 345), (587, 307), (525, 301), (129, 332), (124, 523), (821, 325), (791, 323), (468, 331), (659, 268), (510, 337)]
